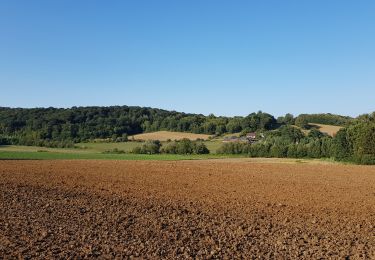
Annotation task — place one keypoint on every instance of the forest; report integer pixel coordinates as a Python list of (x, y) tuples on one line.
[(39, 126), (63, 127)]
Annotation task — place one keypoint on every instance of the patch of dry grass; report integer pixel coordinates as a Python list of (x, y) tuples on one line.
[(328, 129), (165, 135)]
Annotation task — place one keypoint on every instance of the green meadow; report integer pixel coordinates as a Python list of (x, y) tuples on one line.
[(98, 151)]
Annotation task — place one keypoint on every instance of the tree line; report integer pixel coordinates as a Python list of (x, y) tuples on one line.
[(354, 143), (184, 146), (64, 127)]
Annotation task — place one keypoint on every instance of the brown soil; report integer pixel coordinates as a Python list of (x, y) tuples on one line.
[(186, 209)]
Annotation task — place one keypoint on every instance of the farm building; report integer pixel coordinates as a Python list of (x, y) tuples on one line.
[(249, 138)]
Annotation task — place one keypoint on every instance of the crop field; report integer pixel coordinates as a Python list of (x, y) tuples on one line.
[(165, 135), (231, 208), (328, 129)]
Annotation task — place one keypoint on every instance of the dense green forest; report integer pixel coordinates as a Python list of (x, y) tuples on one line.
[(50, 126), (326, 119), (57, 127)]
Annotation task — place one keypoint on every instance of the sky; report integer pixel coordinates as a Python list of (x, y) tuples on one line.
[(198, 56)]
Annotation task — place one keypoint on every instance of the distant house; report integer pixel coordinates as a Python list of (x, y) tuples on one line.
[(251, 136), (254, 137)]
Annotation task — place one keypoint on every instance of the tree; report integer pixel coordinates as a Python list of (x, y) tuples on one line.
[(315, 133), (341, 148), (149, 147), (302, 122), (288, 119), (291, 133)]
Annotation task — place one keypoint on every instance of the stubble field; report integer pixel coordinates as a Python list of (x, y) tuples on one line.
[(229, 208), (168, 135)]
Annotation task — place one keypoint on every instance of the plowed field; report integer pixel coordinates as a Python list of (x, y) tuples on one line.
[(186, 209)]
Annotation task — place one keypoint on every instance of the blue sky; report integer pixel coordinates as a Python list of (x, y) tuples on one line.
[(206, 56)]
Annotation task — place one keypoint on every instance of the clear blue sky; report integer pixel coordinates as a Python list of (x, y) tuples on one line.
[(200, 56)]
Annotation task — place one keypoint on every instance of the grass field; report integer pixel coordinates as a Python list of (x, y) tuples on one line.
[(328, 129), (128, 146), (96, 151), (102, 147), (165, 135), (34, 155)]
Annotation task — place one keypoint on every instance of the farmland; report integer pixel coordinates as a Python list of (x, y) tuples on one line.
[(228, 208), (328, 129), (168, 135)]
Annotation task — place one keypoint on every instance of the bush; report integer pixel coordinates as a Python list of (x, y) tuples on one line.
[(185, 146), (149, 147), (4, 141), (201, 148), (367, 159), (114, 151), (169, 148), (234, 148)]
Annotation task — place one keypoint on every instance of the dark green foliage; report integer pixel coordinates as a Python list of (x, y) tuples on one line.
[(233, 148), (341, 148), (326, 119), (79, 124), (302, 122), (185, 146), (279, 150), (314, 133), (288, 119), (149, 147), (288, 133), (234, 125), (5, 141), (286, 142), (361, 139), (114, 151), (201, 148)]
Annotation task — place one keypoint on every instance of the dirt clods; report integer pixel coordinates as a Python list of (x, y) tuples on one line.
[(185, 210)]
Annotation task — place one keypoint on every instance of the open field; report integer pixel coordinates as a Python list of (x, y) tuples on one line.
[(328, 129), (101, 147), (229, 208), (88, 151), (20, 155), (165, 135)]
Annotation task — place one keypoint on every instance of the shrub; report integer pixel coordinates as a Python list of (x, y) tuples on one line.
[(201, 148), (185, 146), (114, 151), (149, 147), (234, 148)]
